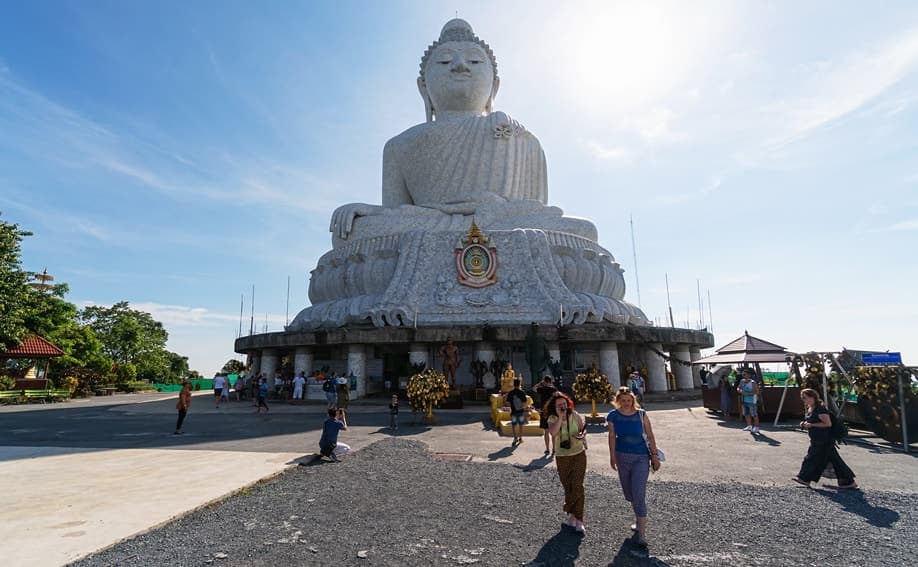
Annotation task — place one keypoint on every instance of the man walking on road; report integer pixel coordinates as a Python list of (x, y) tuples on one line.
[(184, 402)]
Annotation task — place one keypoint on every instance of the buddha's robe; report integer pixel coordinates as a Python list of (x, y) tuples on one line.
[(447, 164), (437, 174)]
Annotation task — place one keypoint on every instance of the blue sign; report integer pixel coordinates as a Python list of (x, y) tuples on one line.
[(882, 357)]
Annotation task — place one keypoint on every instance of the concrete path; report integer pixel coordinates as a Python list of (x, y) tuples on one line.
[(83, 475)]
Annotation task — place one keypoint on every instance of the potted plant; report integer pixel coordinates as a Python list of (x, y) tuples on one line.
[(594, 387), (426, 390)]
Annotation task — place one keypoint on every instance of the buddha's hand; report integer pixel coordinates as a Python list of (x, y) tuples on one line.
[(342, 221)]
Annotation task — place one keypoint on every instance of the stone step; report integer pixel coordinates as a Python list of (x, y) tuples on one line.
[(530, 429)]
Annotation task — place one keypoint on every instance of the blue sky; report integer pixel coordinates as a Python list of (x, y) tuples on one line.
[(173, 154)]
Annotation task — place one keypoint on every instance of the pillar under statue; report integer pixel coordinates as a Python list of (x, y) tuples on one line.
[(400, 263)]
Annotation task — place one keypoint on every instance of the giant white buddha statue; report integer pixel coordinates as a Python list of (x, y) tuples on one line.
[(465, 163), (464, 160)]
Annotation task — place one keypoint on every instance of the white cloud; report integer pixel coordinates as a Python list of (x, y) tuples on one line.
[(738, 280), (713, 184), (838, 88), (903, 226), (654, 126), (186, 316), (601, 152), (46, 130)]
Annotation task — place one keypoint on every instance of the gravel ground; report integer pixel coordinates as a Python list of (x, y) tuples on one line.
[(395, 504)]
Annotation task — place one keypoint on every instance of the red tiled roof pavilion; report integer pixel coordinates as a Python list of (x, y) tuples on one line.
[(33, 347)]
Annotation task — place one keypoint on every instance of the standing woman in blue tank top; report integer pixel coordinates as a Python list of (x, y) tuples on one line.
[(632, 452)]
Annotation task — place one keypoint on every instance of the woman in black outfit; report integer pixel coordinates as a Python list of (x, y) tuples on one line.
[(822, 447)]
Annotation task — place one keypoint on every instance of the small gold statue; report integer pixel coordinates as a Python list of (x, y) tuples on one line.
[(506, 379)]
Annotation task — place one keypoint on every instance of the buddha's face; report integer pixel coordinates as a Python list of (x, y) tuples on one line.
[(459, 77)]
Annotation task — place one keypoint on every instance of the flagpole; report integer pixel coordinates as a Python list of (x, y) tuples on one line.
[(637, 282), (672, 323), (252, 316)]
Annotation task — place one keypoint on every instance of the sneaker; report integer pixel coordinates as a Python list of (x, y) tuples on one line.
[(755, 430), (634, 527), (334, 458), (800, 481), (747, 428)]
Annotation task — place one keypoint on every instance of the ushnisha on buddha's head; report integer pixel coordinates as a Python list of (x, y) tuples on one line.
[(458, 73)]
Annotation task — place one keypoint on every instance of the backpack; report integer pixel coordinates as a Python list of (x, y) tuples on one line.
[(839, 430), (327, 385)]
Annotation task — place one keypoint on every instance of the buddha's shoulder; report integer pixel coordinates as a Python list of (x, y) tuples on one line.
[(408, 138), (499, 122)]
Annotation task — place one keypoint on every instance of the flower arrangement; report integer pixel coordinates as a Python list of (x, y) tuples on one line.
[(877, 390), (594, 387), (814, 371), (426, 390)]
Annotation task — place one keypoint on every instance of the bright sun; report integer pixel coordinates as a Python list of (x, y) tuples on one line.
[(631, 55)]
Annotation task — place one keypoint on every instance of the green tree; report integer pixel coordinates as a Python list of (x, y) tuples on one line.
[(233, 366), (84, 351), (14, 289), (47, 313), (130, 337)]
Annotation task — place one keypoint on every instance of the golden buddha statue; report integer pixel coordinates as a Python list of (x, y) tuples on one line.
[(506, 379)]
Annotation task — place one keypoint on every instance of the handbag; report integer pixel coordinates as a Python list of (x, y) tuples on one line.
[(660, 454)]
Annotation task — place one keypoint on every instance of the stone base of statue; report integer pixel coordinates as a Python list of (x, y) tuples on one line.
[(411, 279)]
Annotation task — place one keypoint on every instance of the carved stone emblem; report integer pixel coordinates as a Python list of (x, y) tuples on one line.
[(476, 259)]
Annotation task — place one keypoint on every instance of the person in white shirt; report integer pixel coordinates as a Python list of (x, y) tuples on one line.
[(219, 386), (298, 384)]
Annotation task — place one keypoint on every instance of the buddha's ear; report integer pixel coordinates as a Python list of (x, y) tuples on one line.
[(494, 87), (428, 106)]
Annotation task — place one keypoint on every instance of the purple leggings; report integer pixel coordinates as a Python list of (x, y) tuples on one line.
[(632, 472)]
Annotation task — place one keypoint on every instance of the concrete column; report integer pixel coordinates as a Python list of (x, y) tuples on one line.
[(357, 363), (608, 363), (270, 362), (302, 361), (253, 363), (656, 369), (695, 354), (418, 353), (485, 351), (682, 372)]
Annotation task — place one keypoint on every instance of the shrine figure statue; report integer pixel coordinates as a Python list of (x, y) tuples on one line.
[(450, 354)]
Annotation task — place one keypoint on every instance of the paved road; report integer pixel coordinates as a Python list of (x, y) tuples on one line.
[(96, 471)]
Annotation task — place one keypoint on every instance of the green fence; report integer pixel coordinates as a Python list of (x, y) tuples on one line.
[(775, 378), (196, 384)]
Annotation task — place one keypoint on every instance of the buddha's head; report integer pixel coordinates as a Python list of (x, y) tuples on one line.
[(458, 72)]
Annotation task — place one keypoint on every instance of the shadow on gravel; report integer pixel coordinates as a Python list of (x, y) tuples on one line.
[(854, 502), (631, 554), (561, 550)]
